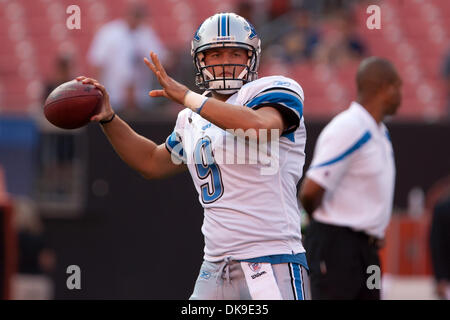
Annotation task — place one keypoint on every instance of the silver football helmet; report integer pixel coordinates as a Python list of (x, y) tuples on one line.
[(225, 30)]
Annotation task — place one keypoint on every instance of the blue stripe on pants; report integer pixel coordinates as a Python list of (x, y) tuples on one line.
[(297, 281)]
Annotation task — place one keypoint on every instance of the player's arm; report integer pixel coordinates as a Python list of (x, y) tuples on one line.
[(228, 116), (223, 115), (143, 155), (311, 195), (152, 161)]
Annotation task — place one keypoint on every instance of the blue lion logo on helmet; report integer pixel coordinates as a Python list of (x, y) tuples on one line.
[(252, 30), (196, 35)]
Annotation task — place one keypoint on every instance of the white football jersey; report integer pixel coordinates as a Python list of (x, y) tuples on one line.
[(248, 192)]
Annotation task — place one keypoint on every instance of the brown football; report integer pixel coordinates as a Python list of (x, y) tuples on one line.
[(72, 104)]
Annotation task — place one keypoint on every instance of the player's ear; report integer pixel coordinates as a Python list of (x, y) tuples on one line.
[(392, 89), (386, 90)]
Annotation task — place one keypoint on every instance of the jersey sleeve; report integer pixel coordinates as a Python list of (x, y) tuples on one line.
[(333, 153), (174, 142), (286, 96)]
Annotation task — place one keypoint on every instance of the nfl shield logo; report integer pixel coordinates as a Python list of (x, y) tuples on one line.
[(255, 266)]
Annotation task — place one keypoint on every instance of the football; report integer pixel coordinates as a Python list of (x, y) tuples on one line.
[(72, 104)]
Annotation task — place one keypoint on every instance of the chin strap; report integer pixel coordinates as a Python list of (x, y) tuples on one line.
[(231, 91)]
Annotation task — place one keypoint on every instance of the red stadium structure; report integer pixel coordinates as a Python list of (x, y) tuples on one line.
[(413, 34)]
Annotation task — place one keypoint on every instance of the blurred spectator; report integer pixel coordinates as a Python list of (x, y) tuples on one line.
[(340, 41), (245, 9), (255, 14), (278, 8), (446, 76), (332, 6), (325, 7), (64, 66), (36, 260), (117, 53), (301, 38)]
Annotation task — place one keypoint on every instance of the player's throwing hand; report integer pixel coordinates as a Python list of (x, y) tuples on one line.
[(106, 112), (172, 89)]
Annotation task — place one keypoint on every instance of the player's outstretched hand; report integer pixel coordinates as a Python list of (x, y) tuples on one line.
[(172, 89), (106, 112)]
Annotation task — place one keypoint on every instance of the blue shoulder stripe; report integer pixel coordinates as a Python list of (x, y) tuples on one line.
[(358, 144), (281, 98), (290, 136)]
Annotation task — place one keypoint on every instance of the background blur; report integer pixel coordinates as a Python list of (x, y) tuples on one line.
[(67, 199)]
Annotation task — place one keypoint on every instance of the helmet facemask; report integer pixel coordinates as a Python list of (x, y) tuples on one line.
[(207, 79)]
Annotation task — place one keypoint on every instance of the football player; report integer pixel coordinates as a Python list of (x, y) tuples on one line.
[(253, 247)]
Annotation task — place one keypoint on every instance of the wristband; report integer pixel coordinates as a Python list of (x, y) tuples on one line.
[(194, 101), (107, 121)]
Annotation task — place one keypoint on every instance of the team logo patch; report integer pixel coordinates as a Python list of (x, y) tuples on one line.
[(255, 267)]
